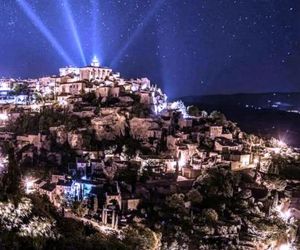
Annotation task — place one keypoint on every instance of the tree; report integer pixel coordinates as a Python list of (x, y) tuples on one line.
[(193, 110), (194, 196), (176, 201), (91, 98), (128, 175), (13, 175), (210, 215), (21, 89), (207, 143), (218, 117), (140, 110), (138, 237), (38, 97)]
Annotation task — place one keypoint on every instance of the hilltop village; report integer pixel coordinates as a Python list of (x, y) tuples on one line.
[(113, 153)]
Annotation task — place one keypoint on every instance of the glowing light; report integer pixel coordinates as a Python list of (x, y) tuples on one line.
[(74, 30), (286, 214), (285, 247), (181, 162), (283, 211), (179, 105), (137, 32), (277, 150), (3, 117), (63, 102), (29, 182), (97, 45), (281, 144), (95, 62), (37, 22)]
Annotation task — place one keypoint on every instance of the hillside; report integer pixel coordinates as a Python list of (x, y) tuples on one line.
[(268, 114)]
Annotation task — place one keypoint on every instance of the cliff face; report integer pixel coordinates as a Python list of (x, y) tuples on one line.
[(110, 126), (140, 128)]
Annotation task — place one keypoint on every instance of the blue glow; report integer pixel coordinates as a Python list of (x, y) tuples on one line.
[(137, 32), (95, 62), (37, 22), (74, 30), (97, 45), (87, 188)]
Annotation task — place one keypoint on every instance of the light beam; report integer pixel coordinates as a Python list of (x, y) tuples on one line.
[(74, 30), (137, 32), (37, 22), (97, 45)]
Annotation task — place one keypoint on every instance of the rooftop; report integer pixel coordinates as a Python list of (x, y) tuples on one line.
[(48, 186)]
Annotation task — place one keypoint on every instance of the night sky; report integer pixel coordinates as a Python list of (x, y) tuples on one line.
[(190, 47)]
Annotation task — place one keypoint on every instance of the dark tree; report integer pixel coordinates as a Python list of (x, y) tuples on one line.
[(13, 176)]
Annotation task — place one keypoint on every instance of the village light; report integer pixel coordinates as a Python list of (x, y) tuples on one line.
[(277, 150), (63, 103), (181, 162), (281, 144), (285, 214), (285, 247), (3, 117), (28, 185)]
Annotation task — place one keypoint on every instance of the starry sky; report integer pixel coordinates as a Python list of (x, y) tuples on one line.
[(187, 47)]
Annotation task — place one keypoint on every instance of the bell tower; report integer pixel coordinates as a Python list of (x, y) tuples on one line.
[(95, 62)]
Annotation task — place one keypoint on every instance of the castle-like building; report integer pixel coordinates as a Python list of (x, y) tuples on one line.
[(73, 81), (91, 72)]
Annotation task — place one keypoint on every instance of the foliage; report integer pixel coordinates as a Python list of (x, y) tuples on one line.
[(128, 175), (12, 178), (138, 237), (194, 196), (207, 143), (140, 110), (21, 89), (48, 117), (218, 117), (210, 215), (34, 224), (220, 204), (193, 110), (176, 202), (91, 98), (287, 167)]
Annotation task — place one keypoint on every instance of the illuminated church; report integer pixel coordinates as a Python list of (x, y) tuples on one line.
[(92, 72), (95, 62)]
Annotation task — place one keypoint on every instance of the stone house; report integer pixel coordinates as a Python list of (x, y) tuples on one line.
[(72, 88), (215, 131), (140, 127), (225, 145), (64, 187), (48, 189), (62, 98), (109, 127), (39, 141)]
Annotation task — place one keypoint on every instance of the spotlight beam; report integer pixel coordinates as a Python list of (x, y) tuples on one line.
[(137, 32), (97, 45), (74, 30), (37, 22)]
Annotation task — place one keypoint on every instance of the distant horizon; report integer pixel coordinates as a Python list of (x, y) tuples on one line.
[(160, 85), (244, 93)]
